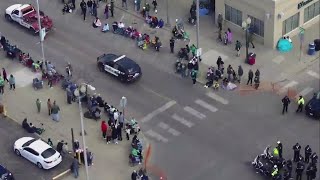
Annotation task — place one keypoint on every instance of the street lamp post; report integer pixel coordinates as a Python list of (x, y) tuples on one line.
[(40, 35), (82, 127), (168, 19), (198, 22), (245, 26)]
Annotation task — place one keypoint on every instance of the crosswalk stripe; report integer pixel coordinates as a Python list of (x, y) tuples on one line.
[(157, 111), (182, 120), (290, 84), (278, 59), (156, 136), (313, 74), (166, 127), (217, 98), (206, 105), (194, 112), (304, 92)]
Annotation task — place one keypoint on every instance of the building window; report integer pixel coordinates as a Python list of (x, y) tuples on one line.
[(290, 24), (311, 11), (257, 25), (233, 15)]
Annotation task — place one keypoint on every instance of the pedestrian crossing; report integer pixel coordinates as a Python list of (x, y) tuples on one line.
[(191, 115), (304, 85)]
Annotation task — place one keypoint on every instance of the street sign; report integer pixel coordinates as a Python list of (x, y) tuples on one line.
[(123, 102)]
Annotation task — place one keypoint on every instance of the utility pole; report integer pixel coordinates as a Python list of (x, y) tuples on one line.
[(168, 19), (83, 140), (198, 24), (41, 35)]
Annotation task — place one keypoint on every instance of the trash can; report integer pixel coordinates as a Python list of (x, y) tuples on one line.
[(312, 49)]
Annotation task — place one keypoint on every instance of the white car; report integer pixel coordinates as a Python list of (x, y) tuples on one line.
[(38, 152)]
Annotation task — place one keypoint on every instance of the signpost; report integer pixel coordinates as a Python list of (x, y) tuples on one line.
[(301, 35), (123, 103)]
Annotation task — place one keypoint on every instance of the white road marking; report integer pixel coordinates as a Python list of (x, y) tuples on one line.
[(166, 127), (217, 98), (289, 85), (182, 120), (156, 136), (304, 92), (278, 59), (121, 18), (161, 109), (314, 74), (206, 105), (194, 112)]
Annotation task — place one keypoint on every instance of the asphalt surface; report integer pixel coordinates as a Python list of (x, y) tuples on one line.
[(225, 134), (21, 168)]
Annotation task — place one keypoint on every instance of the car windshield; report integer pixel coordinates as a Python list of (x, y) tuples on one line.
[(28, 142), (48, 153)]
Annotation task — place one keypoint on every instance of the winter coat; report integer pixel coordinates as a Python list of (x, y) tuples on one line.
[(12, 80), (104, 126), (257, 73), (238, 46), (240, 71), (250, 74), (4, 74), (109, 132), (229, 70)]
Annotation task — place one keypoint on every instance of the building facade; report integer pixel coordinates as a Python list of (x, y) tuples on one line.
[(271, 19)]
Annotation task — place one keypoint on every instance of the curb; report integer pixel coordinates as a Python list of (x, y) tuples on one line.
[(55, 177)]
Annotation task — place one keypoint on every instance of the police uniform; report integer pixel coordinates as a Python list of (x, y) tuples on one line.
[(307, 153), (300, 104), (296, 148)]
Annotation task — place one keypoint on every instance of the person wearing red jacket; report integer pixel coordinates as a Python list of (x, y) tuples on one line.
[(104, 128)]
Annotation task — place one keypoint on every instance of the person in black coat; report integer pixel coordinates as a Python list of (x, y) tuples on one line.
[(307, 153), (285, 103), (296, 148), (114, 134), (250, 77), (279, 147)]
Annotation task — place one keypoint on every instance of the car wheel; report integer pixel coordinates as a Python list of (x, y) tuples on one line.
[(39, 165), (8, 17), (100, 66), (17, 152)]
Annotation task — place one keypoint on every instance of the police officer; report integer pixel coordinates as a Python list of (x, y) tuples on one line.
[(307, 153), (296, 148), (279, 147), (299, 170), (314, 158), (309, 172), (289, 167), (275, 171), (285, 103), (300, 104), (286, 174)]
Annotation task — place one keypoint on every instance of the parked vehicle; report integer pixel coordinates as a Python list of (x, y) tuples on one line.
[(38, 152), (26, 16), (313, 106)]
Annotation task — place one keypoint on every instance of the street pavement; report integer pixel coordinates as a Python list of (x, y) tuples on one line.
[(110, 159), (20, 167), (196, 133)]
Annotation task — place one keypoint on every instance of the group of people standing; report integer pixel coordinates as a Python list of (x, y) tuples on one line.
[(286, 101), (11, 81), (310, 158)]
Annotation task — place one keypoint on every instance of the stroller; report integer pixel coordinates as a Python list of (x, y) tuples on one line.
[(37, 84)]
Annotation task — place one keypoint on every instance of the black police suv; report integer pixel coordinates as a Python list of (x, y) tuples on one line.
[(313, 106), (5, 174), (125, 69)]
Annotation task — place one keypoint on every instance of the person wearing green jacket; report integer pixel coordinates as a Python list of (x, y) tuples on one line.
[(193, 50), (1, 84), (194, 74)]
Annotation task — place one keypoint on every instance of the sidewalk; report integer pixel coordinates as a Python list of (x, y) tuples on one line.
[(109, 160), (274, 66)]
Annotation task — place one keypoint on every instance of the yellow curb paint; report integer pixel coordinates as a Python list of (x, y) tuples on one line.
[(61, 174)]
